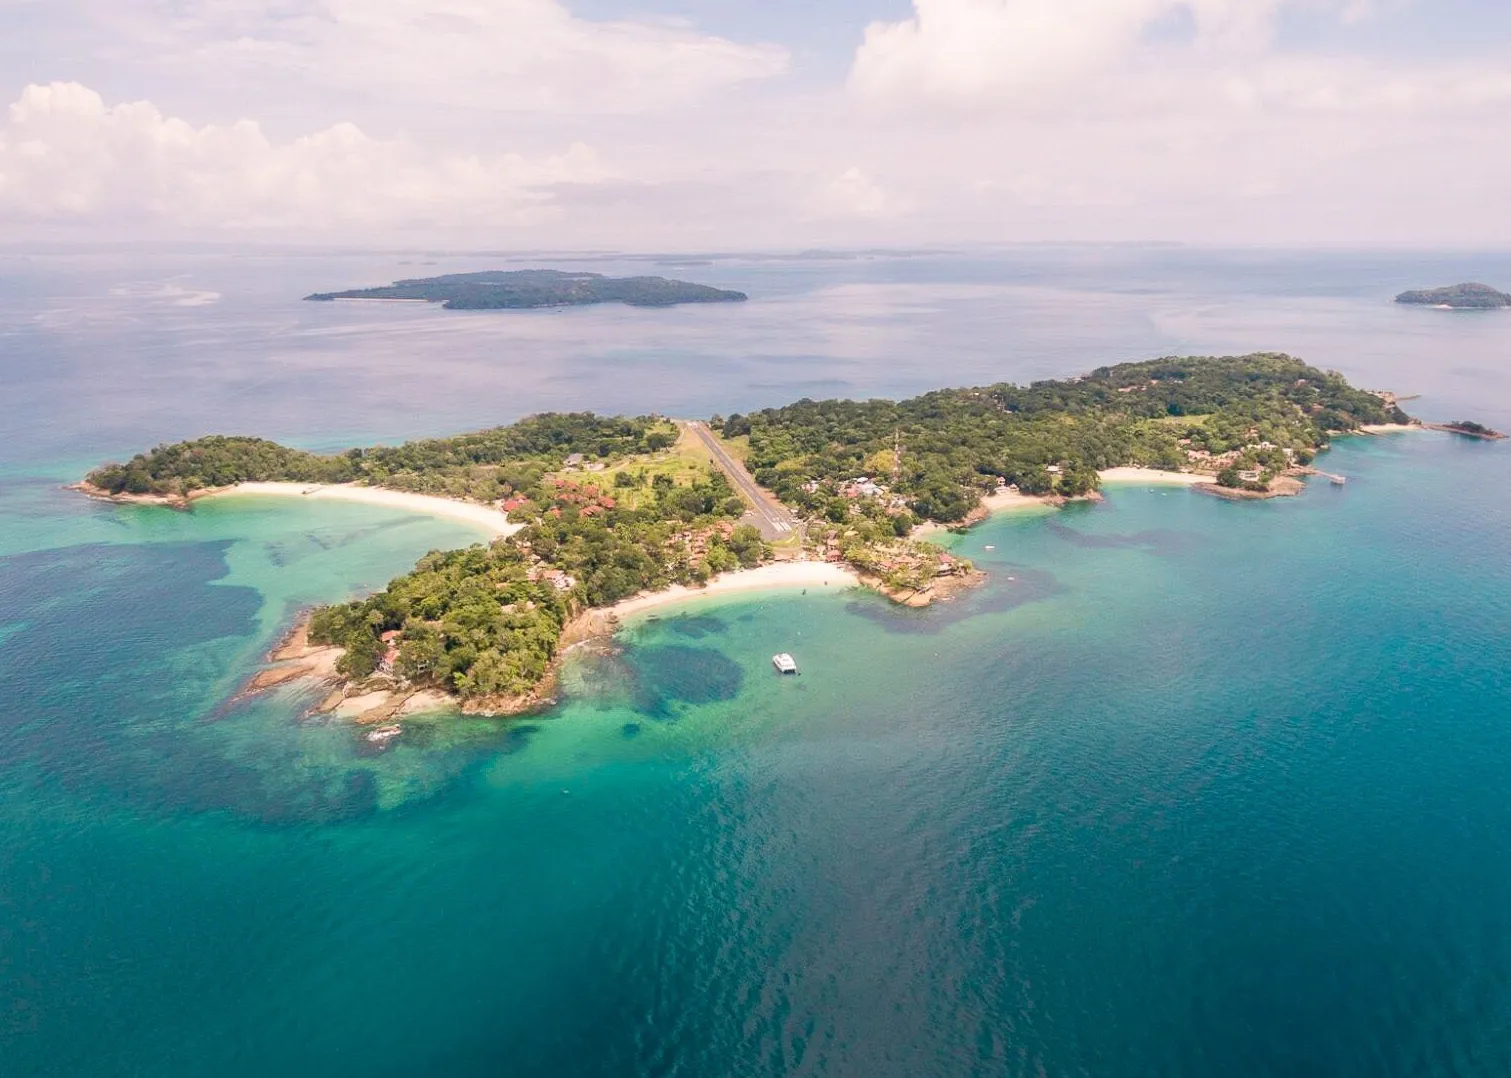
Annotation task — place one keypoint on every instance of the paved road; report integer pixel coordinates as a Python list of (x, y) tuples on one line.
[(769, 515)]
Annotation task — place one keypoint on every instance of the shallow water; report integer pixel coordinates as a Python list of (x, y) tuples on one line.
[(1189, 787)]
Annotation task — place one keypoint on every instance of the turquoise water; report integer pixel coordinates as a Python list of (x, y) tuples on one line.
[(1188, 788)]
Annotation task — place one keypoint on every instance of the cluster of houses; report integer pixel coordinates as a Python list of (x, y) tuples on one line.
[(862, 486), (538, 570), (1218, 461), (559, 579), (695, 543), (575, 461), (590, 500)]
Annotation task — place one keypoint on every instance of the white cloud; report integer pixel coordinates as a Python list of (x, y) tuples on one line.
[(965, 48), (503, 55), (972, 120), (66, 155), (853, 193), (1155, 119)]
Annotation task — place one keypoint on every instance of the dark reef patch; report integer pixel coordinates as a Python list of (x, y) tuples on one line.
[(665, 676), (697, 626)]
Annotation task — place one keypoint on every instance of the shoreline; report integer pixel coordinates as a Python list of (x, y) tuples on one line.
[(1154, 477), (294, 658), (775, 576), (1015, 501), (495, 521)]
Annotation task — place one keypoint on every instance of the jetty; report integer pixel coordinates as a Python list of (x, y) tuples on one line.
[(1336, 480)]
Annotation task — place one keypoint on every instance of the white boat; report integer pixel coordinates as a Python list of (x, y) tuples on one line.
[(784, 663)]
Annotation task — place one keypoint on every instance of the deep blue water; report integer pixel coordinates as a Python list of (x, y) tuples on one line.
[(1188, 788)]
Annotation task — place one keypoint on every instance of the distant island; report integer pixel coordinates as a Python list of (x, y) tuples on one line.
[(608, 511), (526, 289), (1465, 297)]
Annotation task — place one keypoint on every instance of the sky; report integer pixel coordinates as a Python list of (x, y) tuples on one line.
[(674, 125)]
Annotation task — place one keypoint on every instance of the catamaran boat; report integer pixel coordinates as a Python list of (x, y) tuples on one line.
[(784, 663)]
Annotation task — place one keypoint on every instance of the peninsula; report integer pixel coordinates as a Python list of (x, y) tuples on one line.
[(1459, 297), (525, 289), (1469, 429), (608, 511)]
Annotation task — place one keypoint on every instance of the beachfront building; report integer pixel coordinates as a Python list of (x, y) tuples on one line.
[(390, 651)]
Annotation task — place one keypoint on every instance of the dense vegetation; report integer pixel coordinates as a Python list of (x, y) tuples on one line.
[(485, 465), (487, 621), (1049, 437), (1472, 429), (516, 289), (604, 520), (1468, 296)]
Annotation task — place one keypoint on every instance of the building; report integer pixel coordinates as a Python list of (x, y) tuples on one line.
[(390, 651)]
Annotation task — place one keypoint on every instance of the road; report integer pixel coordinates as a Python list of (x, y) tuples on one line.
[(766, 513)]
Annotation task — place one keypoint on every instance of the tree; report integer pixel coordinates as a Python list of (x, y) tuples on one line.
[(1228, 477)]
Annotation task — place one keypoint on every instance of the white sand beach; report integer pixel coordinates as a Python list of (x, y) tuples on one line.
[(1011, 501), (494, 520), (1152, 477), (780, 575), (1388, 428)]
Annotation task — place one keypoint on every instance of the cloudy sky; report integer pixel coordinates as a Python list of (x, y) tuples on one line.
[(695, 124)]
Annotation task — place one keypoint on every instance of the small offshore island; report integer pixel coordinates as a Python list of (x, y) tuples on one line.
[(532, 288), (1458, 297), (607, 515)]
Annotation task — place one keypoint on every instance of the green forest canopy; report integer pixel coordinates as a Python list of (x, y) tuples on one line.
[(487, 621), (516, 289), (487, 464), (956, 443)]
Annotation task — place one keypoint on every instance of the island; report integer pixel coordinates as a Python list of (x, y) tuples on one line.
[(531, 288), (606, 514), (1459, 297)]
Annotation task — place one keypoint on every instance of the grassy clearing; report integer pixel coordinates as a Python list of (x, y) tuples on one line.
[(686, 461), (739, 448)]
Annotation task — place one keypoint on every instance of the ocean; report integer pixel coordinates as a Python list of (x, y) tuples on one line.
[(1189, 787)]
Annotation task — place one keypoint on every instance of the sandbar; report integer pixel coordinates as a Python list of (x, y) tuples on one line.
[(496, 521)]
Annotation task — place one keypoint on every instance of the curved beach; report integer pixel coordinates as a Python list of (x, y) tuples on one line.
[(1153, 476), (774, 577), (496, 521)]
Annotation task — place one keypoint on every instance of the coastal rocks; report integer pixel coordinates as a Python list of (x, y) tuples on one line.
[(1282, 486), (942, 589), (294, 658), (171, 501)]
